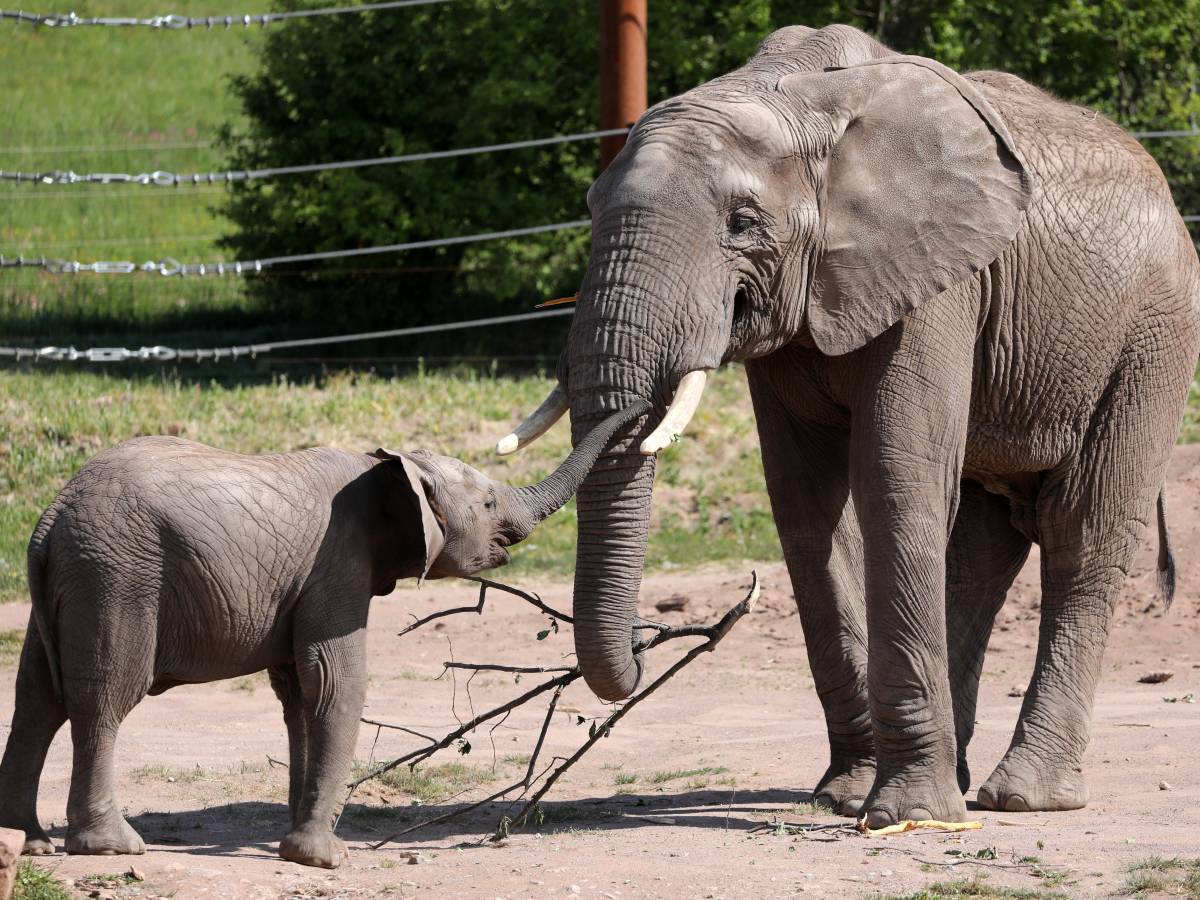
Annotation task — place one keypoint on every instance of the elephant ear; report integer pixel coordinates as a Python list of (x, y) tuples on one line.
[(413, 501), (923, 188)]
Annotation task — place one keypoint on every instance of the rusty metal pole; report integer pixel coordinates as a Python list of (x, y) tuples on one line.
[(622, 70)]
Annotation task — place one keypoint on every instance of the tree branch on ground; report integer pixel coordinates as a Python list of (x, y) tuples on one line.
[(540, 782)]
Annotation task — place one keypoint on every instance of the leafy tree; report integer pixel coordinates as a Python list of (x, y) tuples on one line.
[(487, 71)]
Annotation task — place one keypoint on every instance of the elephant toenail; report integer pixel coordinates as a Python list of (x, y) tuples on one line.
[(880, 818), (852, 807), (1016, 803)]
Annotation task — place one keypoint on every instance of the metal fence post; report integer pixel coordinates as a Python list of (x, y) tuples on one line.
[(622, 70)]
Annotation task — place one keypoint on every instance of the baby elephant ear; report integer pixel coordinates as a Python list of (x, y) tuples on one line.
[(924, 186), (434, 539)]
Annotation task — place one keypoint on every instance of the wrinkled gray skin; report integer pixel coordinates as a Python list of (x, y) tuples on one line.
[(166, 562), (968, 313)]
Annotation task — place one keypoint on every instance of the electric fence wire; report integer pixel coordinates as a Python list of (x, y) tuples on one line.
[(174, 22), (171, 267), (171, 179), (160, 353)]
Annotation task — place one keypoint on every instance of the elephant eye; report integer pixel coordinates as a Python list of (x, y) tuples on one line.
[(741, 222)]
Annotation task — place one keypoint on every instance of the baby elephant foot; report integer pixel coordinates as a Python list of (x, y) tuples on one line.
[(37, 842), (845, 784), (312, 846), (906, 795), (111, 836), (1023, 783)]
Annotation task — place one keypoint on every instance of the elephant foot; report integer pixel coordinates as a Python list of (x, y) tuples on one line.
[(110, 836), (311, 846), (846, 784), (37, 842), (914, 795), (1026, 784)]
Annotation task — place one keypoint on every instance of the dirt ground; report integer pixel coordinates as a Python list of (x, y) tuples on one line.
[(673, 803)]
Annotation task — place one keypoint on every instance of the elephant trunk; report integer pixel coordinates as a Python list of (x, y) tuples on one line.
[(614, 520), (537, 501)]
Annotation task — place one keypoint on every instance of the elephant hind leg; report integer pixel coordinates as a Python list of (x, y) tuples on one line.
[(1090, 519), (983, 558), (286, 683), (37, 717)]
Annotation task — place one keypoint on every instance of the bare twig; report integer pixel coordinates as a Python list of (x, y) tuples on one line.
[(417, 623), (714, 634), (523, 783), (549, 775), (528, 597), (520, 670)]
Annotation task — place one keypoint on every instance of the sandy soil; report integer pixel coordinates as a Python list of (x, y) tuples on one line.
[(195, 779)]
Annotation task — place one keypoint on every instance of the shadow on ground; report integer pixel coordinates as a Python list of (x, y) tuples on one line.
[(240, 829)]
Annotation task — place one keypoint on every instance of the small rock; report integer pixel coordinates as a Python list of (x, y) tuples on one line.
[(1016, 691), (1156, 677), (674, 603), (12, 842), (136, 874), (1164, 786), (412, 857), (573, 889)]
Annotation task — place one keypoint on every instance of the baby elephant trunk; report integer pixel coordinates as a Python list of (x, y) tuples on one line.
[(535, 502)]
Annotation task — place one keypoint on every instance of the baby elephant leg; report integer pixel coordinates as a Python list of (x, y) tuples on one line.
[(37, 717), (286, 684), (94, 821), (332, 676)]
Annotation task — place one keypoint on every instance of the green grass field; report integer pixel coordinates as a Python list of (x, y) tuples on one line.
[(115, 100)]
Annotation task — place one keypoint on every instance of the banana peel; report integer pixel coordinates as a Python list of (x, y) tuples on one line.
[(913, 825)]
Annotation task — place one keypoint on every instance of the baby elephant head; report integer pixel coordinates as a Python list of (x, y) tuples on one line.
[(469, 520)]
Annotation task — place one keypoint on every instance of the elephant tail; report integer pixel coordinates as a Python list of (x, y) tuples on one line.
[(1166, 559), (41, 613)]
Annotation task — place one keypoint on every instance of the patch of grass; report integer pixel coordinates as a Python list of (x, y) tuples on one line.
[(11, 643), (974, 887), (35, 883), (168, 773), (517, 759), (675, 774), (1173, 876), (710, 503), (250, 683), (624, 778), (83, 89), (430, 783)]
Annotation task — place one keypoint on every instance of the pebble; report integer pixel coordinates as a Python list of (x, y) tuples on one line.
[(1164, 786)]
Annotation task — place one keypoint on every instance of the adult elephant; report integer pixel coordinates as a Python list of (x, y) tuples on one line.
[(968, 314)]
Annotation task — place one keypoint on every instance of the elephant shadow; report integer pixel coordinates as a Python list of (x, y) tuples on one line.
[(252, 828)]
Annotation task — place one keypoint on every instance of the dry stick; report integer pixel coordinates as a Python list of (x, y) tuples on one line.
[(519, 670), (714, 633), (523, 783), (423, 753)]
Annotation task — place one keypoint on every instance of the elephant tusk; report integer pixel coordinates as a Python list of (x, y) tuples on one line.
[(679, 413), (537, 424)]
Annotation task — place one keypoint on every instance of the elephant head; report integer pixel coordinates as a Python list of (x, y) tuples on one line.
[(469, 519), (768, 207)]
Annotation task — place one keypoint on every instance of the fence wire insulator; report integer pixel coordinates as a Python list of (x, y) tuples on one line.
[(175, 22)]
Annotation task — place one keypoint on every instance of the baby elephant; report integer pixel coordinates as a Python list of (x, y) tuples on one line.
[(166, 562)]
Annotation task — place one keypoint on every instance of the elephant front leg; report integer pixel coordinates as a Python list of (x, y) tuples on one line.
[(807, 467), (907, 444), (332, 676)]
